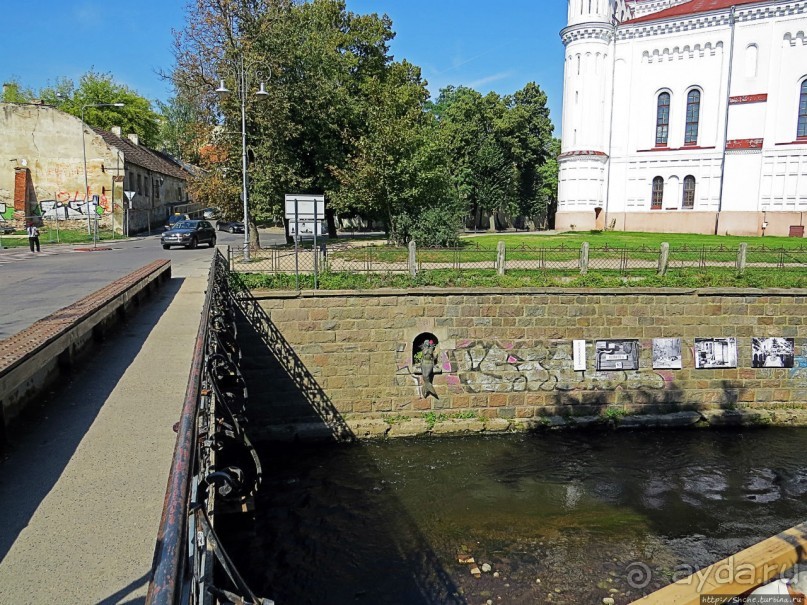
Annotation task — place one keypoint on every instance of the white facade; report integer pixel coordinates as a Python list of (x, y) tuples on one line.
[(701, 97)]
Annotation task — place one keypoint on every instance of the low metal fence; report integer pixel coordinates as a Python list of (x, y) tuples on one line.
[(355, 258)]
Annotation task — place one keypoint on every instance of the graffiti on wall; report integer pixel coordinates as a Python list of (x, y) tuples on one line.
[(6, 212), (799, 369), (501, 367), (73, 206), (476, 366)]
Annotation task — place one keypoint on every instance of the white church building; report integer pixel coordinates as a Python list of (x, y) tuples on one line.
[(685, 116)]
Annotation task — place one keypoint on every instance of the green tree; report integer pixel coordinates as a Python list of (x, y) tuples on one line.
[(397, 173), (543, 212), (136, 116), (483, 174), (315, 58), (182, 132), (526, 134), (15, 92)]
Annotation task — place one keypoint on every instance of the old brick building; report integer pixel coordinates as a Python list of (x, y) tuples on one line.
[(42, 172)]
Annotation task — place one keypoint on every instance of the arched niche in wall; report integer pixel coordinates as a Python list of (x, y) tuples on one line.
[(417, 344)]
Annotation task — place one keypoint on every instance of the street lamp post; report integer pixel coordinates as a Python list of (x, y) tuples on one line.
[(84, 152), (242, 84)]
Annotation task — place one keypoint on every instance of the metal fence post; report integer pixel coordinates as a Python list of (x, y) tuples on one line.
[(584, 258), (413, 268), (741, 258), (663, 258), (500, 258)]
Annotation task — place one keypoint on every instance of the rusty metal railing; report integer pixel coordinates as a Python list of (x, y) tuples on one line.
[(202, 471)]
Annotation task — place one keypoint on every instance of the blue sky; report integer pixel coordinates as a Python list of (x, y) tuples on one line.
[(484, 45)]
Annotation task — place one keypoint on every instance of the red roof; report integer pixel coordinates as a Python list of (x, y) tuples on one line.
[(693, 7)]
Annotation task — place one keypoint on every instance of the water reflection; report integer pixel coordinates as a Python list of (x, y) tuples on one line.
[(355, 524)]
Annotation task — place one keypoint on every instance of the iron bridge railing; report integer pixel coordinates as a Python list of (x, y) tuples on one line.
[(214, 464)]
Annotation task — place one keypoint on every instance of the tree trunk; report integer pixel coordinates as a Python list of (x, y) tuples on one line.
[(254, 236)]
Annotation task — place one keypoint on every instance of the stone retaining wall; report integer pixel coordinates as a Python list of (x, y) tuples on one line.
[(505, 356)]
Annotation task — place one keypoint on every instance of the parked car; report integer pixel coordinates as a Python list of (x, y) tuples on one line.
[(174, 219), (230, 226), (189, 234), (210, 213)]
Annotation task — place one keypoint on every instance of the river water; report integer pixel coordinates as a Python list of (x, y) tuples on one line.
[(567, 517)]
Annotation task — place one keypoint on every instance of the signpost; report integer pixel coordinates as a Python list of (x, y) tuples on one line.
[(306, 216), (129, 196)]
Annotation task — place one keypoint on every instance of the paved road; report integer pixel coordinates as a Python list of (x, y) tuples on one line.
[(34, 285)]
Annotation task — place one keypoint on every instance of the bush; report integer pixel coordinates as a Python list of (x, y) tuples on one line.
[(432, 227)]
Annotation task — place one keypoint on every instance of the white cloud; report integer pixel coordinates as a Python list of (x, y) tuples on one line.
[(488, 79)]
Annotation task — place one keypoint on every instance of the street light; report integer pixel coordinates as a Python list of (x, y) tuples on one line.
[(223, 92), (84, 152)]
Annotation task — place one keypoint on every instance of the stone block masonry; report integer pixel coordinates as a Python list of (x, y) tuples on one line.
[(507, 354)]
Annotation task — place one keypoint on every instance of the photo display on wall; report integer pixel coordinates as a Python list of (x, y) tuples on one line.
[(772, 352), (667, 354), (715, 353), (617, 354)]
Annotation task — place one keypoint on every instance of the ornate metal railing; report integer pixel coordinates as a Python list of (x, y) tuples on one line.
[(214, 463)]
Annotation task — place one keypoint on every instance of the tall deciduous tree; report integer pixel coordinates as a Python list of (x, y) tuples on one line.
[(136, 116), (526, 133), (182, 133), (483, 173), (397, 174)]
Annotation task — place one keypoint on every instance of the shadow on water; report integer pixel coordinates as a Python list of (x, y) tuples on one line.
[(305, 555)]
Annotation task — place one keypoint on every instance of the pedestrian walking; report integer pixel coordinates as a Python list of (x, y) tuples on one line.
[(33, 236)]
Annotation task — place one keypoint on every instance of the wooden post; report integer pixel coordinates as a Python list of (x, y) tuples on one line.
[(500, 258), (737, 574), (741, 254), (413, 261), (584, 258), (663, 258)]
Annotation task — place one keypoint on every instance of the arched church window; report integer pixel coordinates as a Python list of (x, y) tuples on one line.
[(693, 117), (802, 130), (658, 193), (662, 119), (688, 201)]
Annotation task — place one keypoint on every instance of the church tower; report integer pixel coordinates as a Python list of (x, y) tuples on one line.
[(587, 94)]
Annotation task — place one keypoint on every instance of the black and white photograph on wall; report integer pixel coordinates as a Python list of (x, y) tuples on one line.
[(667, 354), (715, 353), (617, 354), (772, 352)]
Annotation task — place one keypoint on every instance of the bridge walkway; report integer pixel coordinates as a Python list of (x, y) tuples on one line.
[(83, 481)]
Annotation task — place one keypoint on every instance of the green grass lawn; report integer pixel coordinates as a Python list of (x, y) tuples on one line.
[(52, 236), (617, 259), (566, 247)]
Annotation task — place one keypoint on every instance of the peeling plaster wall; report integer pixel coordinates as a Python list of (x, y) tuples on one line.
[(50, 143), (508, 354)]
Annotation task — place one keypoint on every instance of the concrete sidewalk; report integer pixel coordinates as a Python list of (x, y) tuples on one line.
[(81, 492)]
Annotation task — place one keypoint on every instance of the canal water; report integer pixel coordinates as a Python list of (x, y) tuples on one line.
[(568, 517)]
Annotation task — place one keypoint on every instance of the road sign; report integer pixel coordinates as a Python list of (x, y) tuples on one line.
[(129, 196), (303, 206)]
